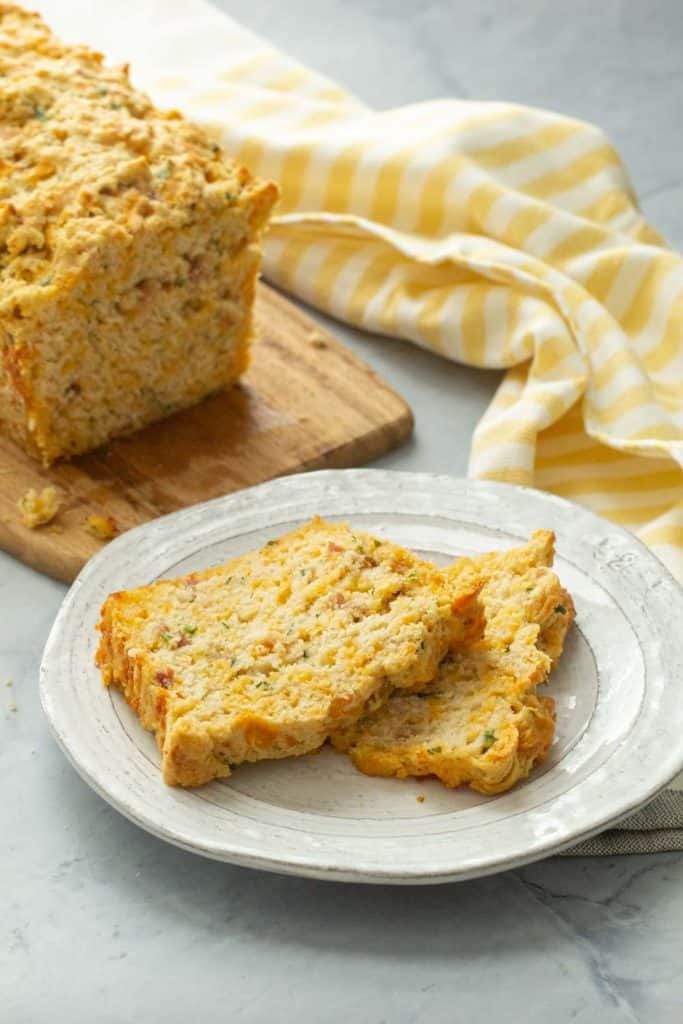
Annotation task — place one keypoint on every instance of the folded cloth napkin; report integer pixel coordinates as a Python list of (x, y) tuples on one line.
[(492, 234)]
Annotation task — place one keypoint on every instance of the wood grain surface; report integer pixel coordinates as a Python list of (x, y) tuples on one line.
[(306, 403)]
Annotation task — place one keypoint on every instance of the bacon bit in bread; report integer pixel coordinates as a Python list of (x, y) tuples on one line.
[(39, 507), (102, 527), (164, 677)]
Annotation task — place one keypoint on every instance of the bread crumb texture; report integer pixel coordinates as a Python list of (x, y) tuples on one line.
[(479, 722), (128, 249), (264, 656), (38, 507)]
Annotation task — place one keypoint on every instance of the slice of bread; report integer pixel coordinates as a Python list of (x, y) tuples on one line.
[(262, 657), (479, 722)]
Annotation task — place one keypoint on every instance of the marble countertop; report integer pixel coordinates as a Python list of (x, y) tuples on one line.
[(100, 922)]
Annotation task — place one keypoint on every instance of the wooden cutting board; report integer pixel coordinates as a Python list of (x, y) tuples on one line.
[(306, 403)]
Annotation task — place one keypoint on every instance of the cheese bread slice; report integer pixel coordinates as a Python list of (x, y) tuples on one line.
[(262, 657), (479, 722)]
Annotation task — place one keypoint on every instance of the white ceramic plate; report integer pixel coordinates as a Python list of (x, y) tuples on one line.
[(619, 731)]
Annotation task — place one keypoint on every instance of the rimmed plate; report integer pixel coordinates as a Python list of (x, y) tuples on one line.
[(619, 734)]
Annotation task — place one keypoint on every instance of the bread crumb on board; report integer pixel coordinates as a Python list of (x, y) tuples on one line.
[(317, 339), (420, 799), (39, 507), (102, 527), (12, 706)]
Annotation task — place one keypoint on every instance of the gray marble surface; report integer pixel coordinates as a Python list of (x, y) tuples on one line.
[(100, 922)]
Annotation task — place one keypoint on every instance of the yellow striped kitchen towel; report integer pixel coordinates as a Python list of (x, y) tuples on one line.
[(492, 234)]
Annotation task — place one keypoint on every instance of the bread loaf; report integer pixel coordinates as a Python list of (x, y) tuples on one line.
[(128, 250)]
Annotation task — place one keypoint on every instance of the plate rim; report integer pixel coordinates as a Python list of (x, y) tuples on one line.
[(303, 866)]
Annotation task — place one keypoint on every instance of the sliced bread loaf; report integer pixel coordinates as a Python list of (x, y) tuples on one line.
[(262, 657)]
